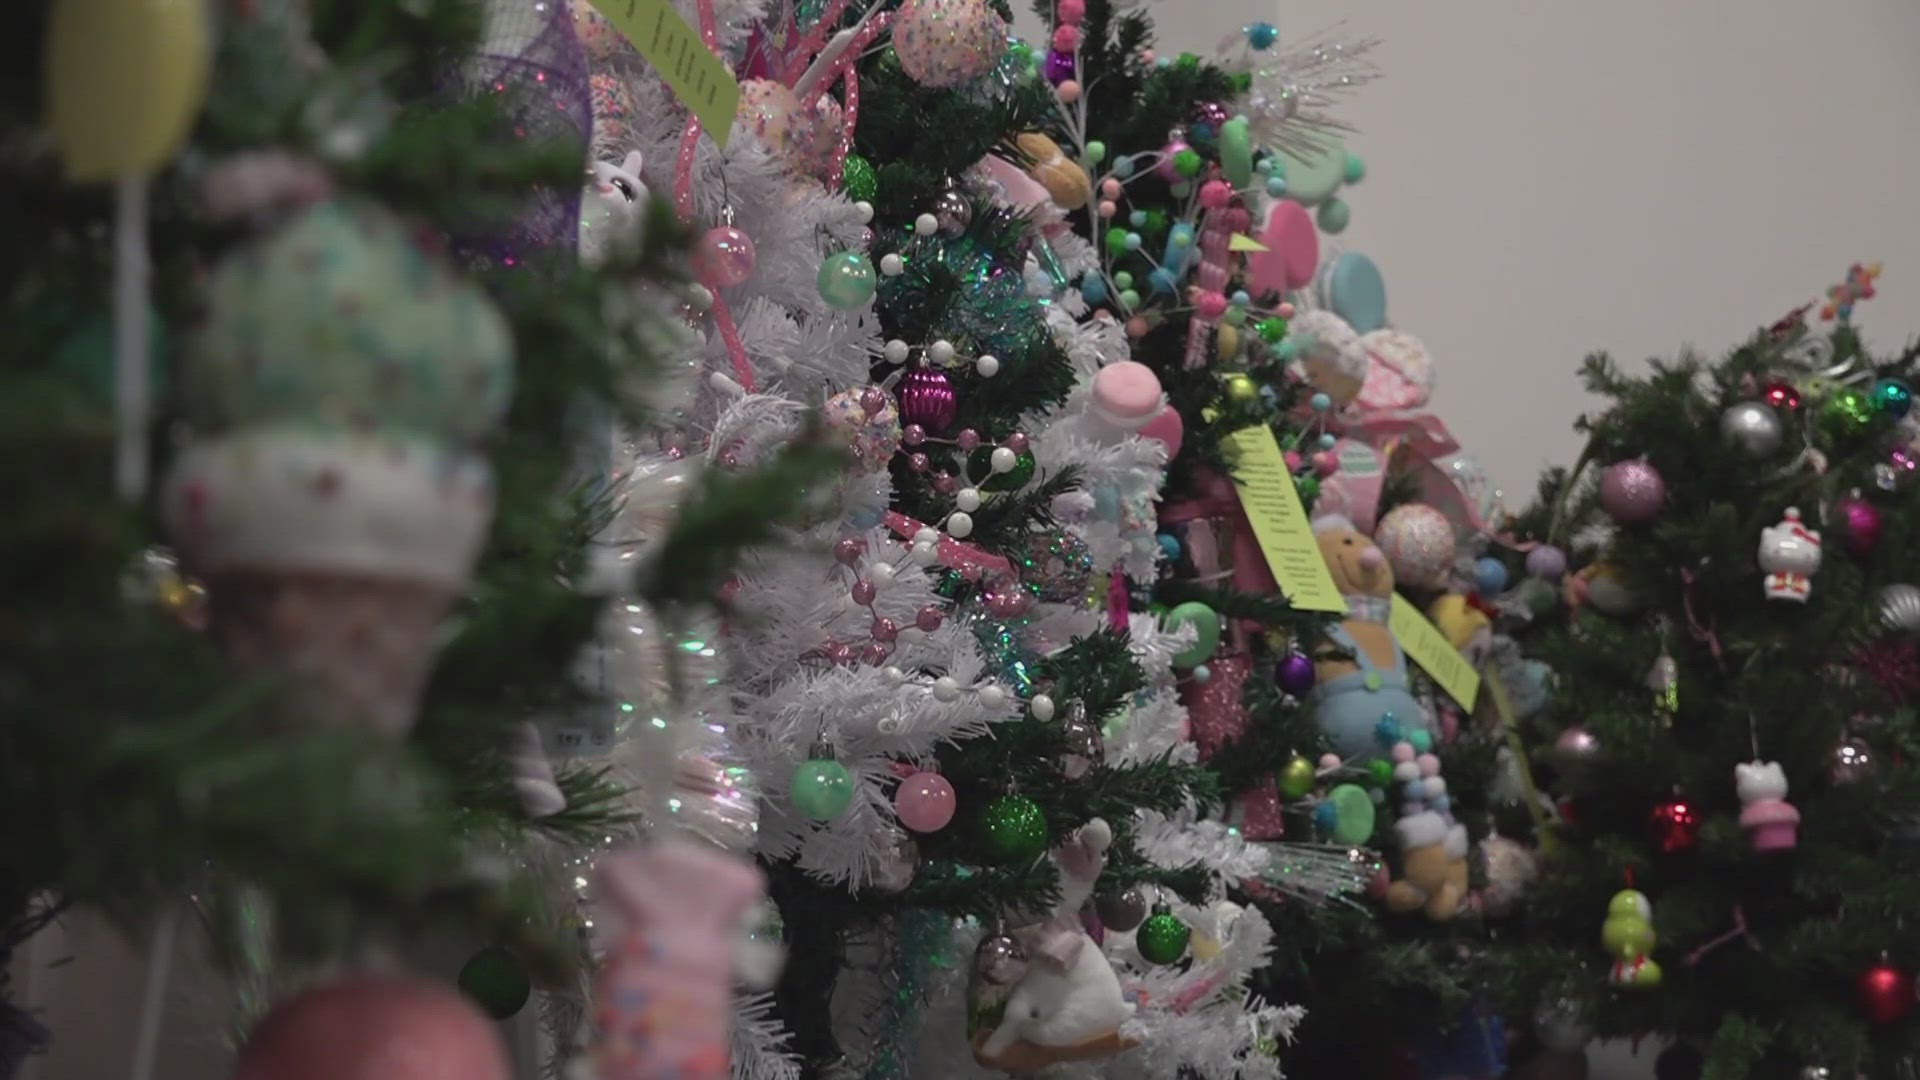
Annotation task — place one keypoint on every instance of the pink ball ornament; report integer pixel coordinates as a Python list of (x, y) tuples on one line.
[(925, 802), (1329, 761), (1402, 751), (1215, 194), (1018, 442), (1293, 460), (1429, 765), (375, 1027), (864, 591), (1071, 12), (1110, 188), (929, 618), (1864, 525), (1632, 492), (968, 439), (874, 653), (1210, 305), (1166, 168), (723, 257), (1419, 544), (1325, 463), (1137, 327), (1066, 37), (919, 462), (1108, 208)]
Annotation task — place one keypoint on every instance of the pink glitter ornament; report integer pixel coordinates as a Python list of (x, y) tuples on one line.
[(839, 654), (723, 257), (1017, 442), (968, 439), (925, 802), (1066, 38), (918, 462), (913, 435), (847, 551), (927, 399), (884, 630), (1210, 305), (1071, 12), (864, 591), (1632, 492), (1215, 194), (374, 1027), (874, 653)]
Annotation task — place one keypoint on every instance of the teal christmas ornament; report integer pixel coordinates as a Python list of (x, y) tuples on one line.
[(1093, 290), (846, 279), (1892, 397), (1163, 938), (497, 981), (1013, 829), (1262, 35)]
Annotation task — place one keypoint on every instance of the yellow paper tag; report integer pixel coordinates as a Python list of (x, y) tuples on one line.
[(1243, 242), (704, 84), (1423, 641), (1280, 521)]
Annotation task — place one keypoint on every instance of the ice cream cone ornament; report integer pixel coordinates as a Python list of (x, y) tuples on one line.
[(334, 502)]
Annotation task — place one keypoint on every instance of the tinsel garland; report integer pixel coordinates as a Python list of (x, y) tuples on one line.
[(921, 942)]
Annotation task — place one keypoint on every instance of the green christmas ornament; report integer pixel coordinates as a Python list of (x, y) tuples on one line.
[(1296, 777), (1013, 830), (497, 981), (1352, 814), (1206, 623), (846, 279), (822, 787), (1272, 330), (1381, 771), (1163, 938), (1116, 239), (1848, 412), (858, 179), (980, 463)]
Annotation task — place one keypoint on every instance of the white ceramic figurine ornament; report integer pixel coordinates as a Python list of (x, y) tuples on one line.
[(1790, 554)]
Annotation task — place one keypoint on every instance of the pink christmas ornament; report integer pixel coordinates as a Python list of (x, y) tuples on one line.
[(1864, 525), (375, 1027), (925, 802), (1632, 492), (1419, 544), (1215, 194), (723, 257), (927, 399)]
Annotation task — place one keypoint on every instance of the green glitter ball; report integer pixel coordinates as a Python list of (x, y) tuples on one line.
[(857, 177), (1381, 770), (980, 463), (1013, 830), (1117, 239), (1848, 413), (822, 788), (1187, 163), (1273, 330), (497, 981), (1163, 938)]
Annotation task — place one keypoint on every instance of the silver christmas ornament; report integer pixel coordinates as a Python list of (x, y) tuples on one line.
[(1900, 607), (999, 960), (1086, 747), (952, 211), (1753, 427), (1121, 911)]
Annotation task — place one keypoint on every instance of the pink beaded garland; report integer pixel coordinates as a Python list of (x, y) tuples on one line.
[(929, 618), (1066, 38), (925, 802), (1071, 11), (723, 257), (1110, 188), (1017, 442), (874, 653)]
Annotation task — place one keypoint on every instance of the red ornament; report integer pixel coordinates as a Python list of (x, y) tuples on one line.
[(375, 1027), (1781, 394), (1885, 993), (1674, 826)]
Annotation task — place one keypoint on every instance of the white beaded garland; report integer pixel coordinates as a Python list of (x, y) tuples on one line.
[(960, 524), (926, 534), (892, 265), (865, 210), (896, 351), (988, 366), (941, 352), (1041, 706), (881, 574), (925, 554), (993, 695), (1004, 459), (945, 688), (968, 499), (926, 224)]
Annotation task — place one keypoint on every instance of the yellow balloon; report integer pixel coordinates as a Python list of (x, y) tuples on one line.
[(125, 79)]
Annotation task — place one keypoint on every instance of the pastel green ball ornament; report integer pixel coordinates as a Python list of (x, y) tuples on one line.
[(1163, 938), (341, 321), (1296, 777), (497, 981), (1187, 163), (1013, 829), (1353, 814), (1333, 216), (1096, 151), (1422, 740), (822, 787), (1206, 624), (846, 279)]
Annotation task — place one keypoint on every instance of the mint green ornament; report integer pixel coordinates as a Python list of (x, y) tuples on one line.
[(1096, 152), (1129, 299), (1356, 168), (1123, 279), (1333, 216), (846, 279), (822, 787), (1353, 814), (340, 321), (1206, 624), (1236, 152)]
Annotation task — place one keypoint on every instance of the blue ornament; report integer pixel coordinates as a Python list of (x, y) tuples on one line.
[(1326, 816), (1163, 280), (1092, 289), (1387, 731), (1490, 574), (1327, 440), (1170, 546), (1123, 167), (1132, 242), (1137, 219), (1276, 186), (1262, 35), (1440, 803), (1202, 674), (1320, 402), (1240, 298)]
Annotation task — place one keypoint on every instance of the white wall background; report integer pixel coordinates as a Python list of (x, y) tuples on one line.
[(1547, 177)]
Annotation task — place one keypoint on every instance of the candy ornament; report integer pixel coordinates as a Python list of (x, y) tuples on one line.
[(1789, 554)]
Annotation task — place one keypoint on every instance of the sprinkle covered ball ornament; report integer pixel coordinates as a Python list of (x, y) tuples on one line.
[(335, 506), (947, 42), (865, 421), (374, 1027), (1418, 542)]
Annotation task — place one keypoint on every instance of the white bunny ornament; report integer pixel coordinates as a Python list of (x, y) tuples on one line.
[(613, 207), (1068, 1006)]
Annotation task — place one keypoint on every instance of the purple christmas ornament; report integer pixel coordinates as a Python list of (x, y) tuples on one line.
[(1632, 492), (1294, 673), (927, 399), (1059, 66), (1547, 562)]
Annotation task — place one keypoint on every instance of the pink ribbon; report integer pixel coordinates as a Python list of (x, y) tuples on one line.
[(954, 555)]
